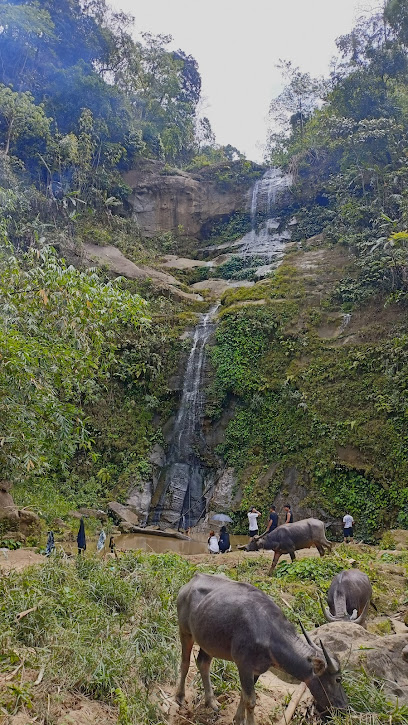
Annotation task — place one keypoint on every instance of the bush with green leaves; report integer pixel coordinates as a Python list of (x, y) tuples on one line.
[(59, 335)]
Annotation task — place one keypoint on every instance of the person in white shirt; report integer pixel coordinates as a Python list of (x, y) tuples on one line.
[(348, 523), (213, 547), (253, 522)]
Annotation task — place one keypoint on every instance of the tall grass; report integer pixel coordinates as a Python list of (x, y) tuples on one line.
[(108, 630)]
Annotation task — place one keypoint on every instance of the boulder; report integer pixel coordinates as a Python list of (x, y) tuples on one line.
[(381, 657), (5, 486), (28, 522), (122, 515), (8, 511), (23, 521), (13, 536), (93, 514), (139, 500)]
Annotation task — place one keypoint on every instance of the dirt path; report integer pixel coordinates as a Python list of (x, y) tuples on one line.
[(271, 694), (18, 559)]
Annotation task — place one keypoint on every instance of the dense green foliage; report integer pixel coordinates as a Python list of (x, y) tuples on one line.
[(310, 403)]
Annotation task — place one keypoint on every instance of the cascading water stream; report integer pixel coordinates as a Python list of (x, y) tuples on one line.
[(264, 240), (179, 499)]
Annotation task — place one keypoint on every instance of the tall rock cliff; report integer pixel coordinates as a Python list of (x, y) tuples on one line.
[(164, 199)]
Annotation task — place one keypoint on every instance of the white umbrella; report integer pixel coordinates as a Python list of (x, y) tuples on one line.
[(220, 517)]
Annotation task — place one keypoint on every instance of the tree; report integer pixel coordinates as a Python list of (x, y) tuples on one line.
[(301, 95), (205, 136), (20, 118), (59, 335)]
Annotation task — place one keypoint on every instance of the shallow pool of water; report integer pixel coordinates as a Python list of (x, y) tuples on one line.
[(159, 545)]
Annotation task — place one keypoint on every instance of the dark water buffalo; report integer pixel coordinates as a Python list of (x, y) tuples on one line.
[(286, 539), (237, 622), (349, 597)]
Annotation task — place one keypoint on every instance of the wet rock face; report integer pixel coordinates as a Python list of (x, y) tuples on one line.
[(180, 202), (223, 495)]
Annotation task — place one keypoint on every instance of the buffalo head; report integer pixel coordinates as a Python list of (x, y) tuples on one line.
[(325, 681), (255, 544)]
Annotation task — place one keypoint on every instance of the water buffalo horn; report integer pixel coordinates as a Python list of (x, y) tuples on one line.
[(327, 613), (330, 664), (307, 638), (362, 616), (321, 603)]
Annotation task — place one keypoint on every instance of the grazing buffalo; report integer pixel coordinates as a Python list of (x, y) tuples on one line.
[(349, 597), (286, 539), (237, 622)]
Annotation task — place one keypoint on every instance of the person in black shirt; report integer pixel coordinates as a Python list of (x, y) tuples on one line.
[(288, 514), (224, 540), (273, 522)]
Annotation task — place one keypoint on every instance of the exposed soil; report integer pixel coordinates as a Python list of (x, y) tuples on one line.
[(18, 559), (271, 694)]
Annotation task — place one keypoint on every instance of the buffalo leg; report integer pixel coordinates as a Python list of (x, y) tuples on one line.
[(320, 549), (274, 562), (204, 664), (292, 555), (186, 647), (248, 698)]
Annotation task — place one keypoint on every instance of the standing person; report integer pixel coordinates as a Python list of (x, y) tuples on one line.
[(212, 541), (224, 540), (81, 539), (288, 514), (101, 541), (50, 544), (273, 522), (348, 523), (253, 522)]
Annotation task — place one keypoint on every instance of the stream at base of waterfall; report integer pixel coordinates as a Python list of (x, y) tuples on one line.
[(179, 499)]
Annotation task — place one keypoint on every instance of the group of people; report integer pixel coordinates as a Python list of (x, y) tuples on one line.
[(221, 544), (273, 520)]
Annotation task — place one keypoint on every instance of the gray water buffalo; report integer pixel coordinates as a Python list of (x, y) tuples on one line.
[(288, 538), (237, 622), (349, 597)]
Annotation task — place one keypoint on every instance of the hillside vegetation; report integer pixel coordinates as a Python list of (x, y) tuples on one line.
[(314, 368), (316, 365)]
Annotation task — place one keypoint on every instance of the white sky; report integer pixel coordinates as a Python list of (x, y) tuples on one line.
[(237, 45)]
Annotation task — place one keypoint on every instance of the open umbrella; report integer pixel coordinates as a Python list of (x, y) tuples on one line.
[(221, 517)]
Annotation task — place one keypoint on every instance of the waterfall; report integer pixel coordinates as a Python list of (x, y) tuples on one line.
[(264, 239), (178, 499), (345, 323)]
